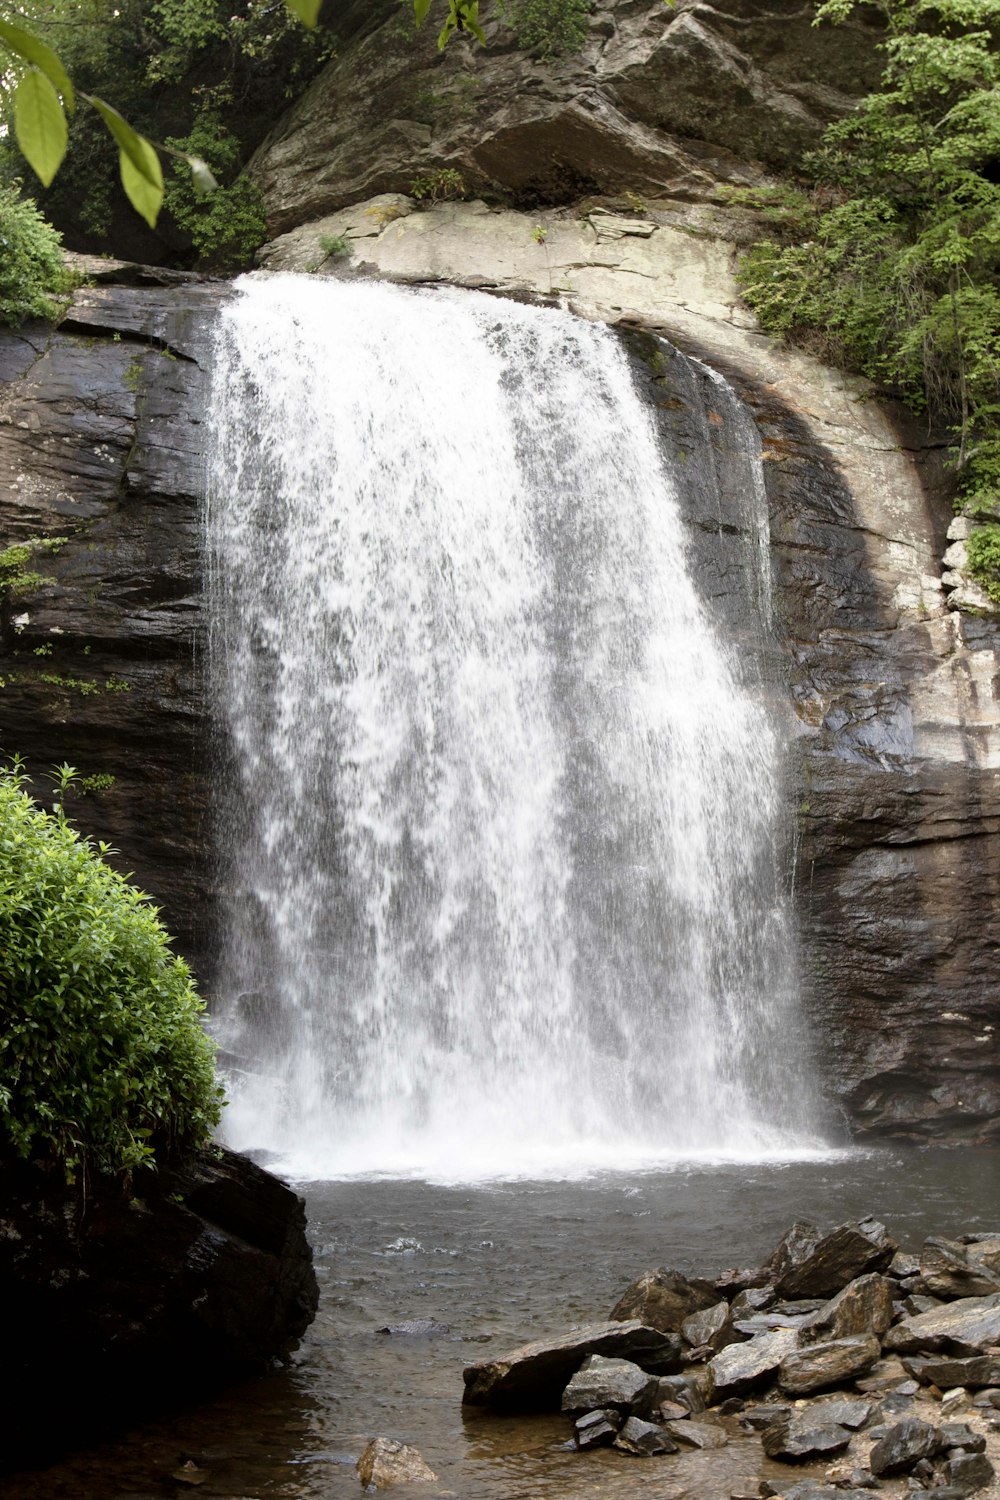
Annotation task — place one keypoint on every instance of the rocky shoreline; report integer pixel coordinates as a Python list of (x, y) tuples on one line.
[(851, 1364)]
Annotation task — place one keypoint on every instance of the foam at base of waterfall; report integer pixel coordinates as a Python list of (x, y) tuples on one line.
[(503, 877)]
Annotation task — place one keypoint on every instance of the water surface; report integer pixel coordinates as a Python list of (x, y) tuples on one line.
[(498, 1265)]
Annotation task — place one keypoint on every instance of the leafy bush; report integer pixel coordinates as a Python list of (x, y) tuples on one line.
[(228, 225), (32, 273), (896, 271), (551, 26), (983, 552), (103, 1059)]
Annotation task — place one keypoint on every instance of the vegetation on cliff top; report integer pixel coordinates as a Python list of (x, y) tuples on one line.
[(104, 1064), (891, 266)]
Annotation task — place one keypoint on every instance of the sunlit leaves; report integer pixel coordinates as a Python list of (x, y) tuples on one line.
[(40, 125), (306, 10), (32, 50)]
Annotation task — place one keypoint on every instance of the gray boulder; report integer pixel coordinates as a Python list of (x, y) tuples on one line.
[(740, 1367), (644, 1439), (821, 1267), (902, 1446), (950, 1269), (534, 1376), (800, 1436), (820, 1365), (711, 1327), (968, 1472), (602, 1382)]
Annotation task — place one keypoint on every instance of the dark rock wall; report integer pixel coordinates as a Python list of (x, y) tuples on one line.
[(122, 1299), (101, 441)]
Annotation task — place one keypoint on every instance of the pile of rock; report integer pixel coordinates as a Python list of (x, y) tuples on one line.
[(839, 1346)]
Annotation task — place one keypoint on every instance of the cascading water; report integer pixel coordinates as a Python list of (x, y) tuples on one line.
[(502, 855)]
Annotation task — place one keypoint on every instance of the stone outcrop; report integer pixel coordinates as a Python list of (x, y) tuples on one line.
[(117, 1300), (659, 102)]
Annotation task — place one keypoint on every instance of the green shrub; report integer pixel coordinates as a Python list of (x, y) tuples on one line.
[(983, 551), (103, 1060), (553, 27), (32, 273)]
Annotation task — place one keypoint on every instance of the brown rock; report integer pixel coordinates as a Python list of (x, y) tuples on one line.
[(864, 1306), (819, 1366), (663, 1299), (385, 1463)]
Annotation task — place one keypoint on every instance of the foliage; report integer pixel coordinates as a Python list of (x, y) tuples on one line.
[(15, 575), (895, 268), (32, 274), (228, 227), (103, 1059), (983, 552), (444, 185), (334, 246), (552, 27)]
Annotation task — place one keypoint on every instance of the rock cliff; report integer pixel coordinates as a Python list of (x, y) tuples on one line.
[(888, 692)]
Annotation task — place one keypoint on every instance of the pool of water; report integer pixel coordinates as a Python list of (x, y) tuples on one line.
[(496, 1265)]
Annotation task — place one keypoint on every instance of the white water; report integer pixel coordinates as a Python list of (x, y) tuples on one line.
[(504, 884)]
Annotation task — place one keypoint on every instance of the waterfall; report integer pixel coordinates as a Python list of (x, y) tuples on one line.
[(500, 835)]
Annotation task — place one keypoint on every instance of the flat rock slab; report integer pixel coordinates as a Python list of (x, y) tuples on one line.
[(533, 1377), (967, 1327), (740, 1367), (977, 1373), (819, 1366)]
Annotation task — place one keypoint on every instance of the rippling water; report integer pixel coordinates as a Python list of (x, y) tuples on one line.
[(497, 1265)]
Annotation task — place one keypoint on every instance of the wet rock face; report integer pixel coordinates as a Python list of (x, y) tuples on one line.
[(117, 1301), (888, 697), (102, 442), (656, 102)]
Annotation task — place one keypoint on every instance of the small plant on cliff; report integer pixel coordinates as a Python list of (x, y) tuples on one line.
[(550, 27), (444, 185), (983, 552), (104, 1065)]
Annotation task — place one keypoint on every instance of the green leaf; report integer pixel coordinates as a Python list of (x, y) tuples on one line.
[(34, 51), (40, 125), (306, 10), (138, 150), (143, 193), (420, 9)]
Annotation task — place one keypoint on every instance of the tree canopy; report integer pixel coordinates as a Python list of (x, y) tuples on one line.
[(892, 264)]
